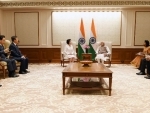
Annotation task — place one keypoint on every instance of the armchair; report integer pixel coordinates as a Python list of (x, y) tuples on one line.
[(109, 45), (63, 59), (3, 64)]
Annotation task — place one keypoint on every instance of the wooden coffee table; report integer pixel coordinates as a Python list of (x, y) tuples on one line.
[(99, 71)]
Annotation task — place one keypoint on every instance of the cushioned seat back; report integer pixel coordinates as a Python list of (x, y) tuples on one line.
[(6, 44)]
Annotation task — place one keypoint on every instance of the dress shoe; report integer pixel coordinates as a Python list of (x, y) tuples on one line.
[(147, 77), (14, 75), (140, 73), (26, 71), (22, 72), (0, 85)]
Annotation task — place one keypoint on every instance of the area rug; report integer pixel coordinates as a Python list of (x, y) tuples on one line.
[(40, 91)]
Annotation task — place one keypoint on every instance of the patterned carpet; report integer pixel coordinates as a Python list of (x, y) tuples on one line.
[(40, 91)]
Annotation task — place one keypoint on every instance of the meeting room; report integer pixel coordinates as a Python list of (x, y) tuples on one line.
[(74, 56)]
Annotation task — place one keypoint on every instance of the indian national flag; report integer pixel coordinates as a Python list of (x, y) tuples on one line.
[(81, 41), (92, 41)]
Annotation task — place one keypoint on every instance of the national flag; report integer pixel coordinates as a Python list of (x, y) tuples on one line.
[(81, 41), (92, 41)]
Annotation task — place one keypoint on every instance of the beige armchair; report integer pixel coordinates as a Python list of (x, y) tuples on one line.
[(109, 45), (3, 68), (3, 64), (62, 44)]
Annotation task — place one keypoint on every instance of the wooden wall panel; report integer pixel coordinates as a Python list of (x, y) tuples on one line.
[(45, 55), (116, 56)]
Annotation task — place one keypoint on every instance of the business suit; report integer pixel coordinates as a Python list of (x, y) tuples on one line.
[(142, 67), (16, 54), (11, 65), (148, 67)]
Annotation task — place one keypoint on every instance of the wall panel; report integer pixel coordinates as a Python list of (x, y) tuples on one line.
[(45, 55), (27, 27), (47, 36), (67, 25), (142, 27)]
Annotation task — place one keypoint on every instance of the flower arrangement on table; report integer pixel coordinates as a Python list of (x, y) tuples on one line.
[(84, 79), (86, 47)]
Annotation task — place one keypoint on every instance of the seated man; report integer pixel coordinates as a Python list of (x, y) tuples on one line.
[(16, 54), (103, 53), (148, 67), (11, 64)]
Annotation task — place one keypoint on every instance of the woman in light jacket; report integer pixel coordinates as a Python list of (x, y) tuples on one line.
[(69, 51)]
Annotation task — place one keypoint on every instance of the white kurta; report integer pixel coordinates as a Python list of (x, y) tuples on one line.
[(69, 52), (100, 56)]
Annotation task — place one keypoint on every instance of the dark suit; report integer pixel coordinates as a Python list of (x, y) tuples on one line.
[(11, 64), (16, 54), (148, 67), (142, 65)]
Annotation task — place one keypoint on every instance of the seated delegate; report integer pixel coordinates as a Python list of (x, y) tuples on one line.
[(11, 64), (69, 52), (16, 54), (143, 61), (146, 50), (103, 53)]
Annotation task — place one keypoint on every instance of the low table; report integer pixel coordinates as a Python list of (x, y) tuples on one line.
[(97, 70)]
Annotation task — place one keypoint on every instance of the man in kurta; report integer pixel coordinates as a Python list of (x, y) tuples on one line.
[(103, 53)]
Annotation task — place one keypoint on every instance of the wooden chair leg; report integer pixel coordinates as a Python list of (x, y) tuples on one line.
[(4, 71), (109, 63), (61, 62)]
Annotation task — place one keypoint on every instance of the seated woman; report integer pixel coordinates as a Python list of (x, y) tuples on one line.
[(69, 52), (103, 53), (146, 50)]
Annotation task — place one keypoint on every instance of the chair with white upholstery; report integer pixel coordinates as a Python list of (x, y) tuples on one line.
[(109, 45), (62, 47)]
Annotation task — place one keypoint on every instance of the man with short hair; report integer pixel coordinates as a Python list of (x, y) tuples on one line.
[(16, 54), (11, 64)]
